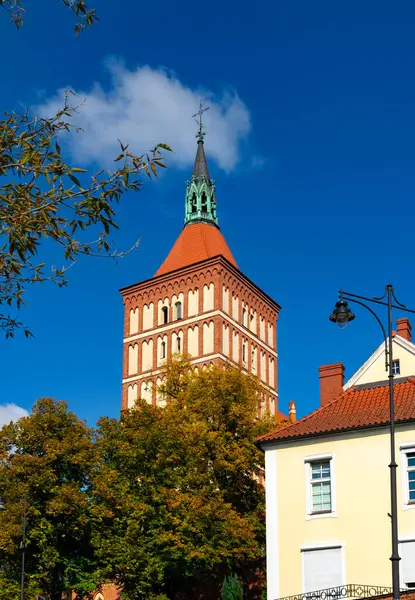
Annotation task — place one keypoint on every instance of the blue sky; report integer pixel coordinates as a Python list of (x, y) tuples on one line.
[(310, 141)]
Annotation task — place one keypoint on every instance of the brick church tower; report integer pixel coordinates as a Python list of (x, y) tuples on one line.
[(198, 303)]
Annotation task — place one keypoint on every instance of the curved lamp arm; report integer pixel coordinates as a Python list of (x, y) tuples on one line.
[(385, 337)]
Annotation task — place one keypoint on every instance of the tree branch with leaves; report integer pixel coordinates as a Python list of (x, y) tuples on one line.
[(44, 198), (85, 17)]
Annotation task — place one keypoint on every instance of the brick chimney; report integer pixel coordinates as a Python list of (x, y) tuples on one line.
[(331, 382), (403, 328), (292, 412)]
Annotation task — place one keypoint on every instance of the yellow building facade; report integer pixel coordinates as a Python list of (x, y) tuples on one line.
[(328, 484), (358, 524)]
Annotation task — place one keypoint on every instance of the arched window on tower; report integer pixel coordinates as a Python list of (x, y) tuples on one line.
[(165, 313), (163, 349), (213, 207), (178, 306), (244, 351), (194, 203), (179, 344), (204, 203), (244, 316)]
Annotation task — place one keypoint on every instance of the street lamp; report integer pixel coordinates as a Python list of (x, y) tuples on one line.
[(342, 315)]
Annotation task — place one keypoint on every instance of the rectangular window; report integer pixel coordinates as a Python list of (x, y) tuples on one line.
[(320, 498), (320, 486), (396, 367), (322, 569), (410, 473)]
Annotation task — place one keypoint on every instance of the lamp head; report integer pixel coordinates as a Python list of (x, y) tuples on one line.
[(341, 315)]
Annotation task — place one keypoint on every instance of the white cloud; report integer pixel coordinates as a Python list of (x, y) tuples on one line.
[(11, 412), (146, 106)]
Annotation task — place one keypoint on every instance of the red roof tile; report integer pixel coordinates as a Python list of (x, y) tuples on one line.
[(197, 241), (358, 407)]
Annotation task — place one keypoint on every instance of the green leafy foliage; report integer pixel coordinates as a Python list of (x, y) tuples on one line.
[(166, 502), (231, 588), (48, 457), (178, 489), (84, 16), (45, 199)]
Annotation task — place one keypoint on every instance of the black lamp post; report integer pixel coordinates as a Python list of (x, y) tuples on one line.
[(342, 315)]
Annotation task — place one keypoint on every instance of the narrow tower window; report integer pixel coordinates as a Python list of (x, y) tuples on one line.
[(194, 203), (204, 203), (165, 313), (244, 352), (178, 306), (163, 349), (179, 344), (213, 206)]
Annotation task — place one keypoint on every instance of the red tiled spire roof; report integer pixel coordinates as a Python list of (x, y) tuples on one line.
[(359, 407), (197, 242)]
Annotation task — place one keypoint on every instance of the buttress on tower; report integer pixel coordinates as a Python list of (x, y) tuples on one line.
[(200, 304)]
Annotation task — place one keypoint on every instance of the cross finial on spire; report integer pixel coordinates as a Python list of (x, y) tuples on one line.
[(198, 118)]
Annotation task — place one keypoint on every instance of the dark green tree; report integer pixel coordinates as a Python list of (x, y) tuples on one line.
[(47, 457), (231, 588), (178, 499)]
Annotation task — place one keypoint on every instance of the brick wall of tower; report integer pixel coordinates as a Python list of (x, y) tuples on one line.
[(234, 302)]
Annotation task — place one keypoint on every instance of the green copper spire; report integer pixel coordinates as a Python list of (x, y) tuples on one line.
[(200, 191)]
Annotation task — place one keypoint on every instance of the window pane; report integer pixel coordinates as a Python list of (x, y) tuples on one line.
[(321, 496), (326, 470), (411, 460), (320, 470), (315, 470)]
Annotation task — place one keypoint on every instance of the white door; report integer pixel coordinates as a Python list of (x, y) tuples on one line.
[(322, 569), (407, 552)]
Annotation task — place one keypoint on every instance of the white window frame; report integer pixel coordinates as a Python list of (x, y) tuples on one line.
[(308, 460), (405, 450), (396, 362), (323, 546)]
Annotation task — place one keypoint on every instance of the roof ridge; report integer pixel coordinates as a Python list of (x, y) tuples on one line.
[(303, 419), (355, 408), (340, 396), (371, 385)]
